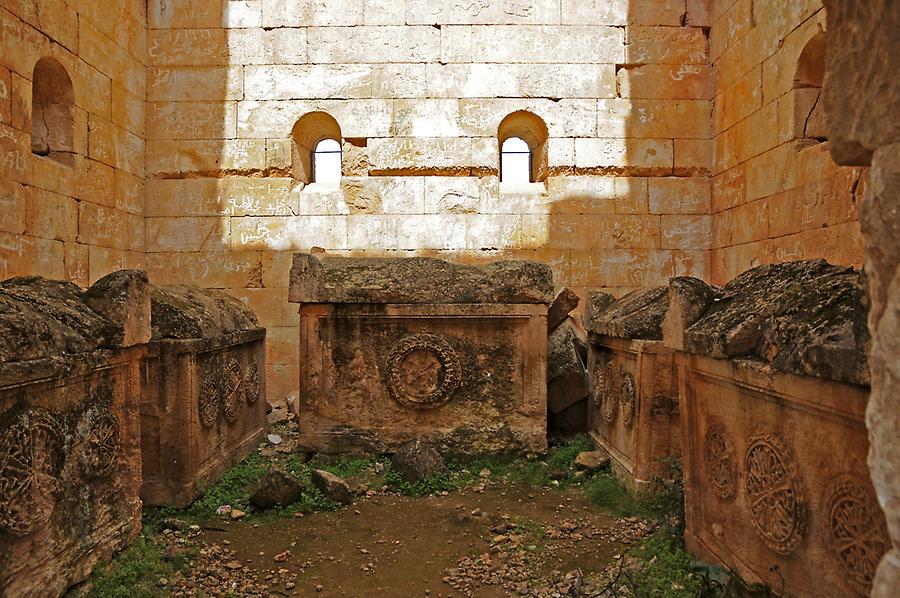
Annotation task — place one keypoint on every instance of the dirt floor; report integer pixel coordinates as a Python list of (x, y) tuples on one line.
[(505, 540)]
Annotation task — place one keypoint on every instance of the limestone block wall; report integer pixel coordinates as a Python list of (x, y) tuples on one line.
[(777, 194), (77, 213), (419, 89)]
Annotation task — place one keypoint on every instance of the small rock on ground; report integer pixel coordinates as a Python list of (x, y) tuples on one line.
[(333, 487)]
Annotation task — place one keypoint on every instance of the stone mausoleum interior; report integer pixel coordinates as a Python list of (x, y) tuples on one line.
[(449, 298)]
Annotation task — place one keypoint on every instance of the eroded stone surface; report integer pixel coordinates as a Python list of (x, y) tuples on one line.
[(805, 317), (277, 487), (332, 487), (417, 461), (317, 279), (567, 379), (184, 312), (689, 298), (637, 315), (566, 300), (123, 297)]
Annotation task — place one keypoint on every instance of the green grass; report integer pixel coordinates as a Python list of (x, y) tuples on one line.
[(233, 488), (135, 573), (667, 570)]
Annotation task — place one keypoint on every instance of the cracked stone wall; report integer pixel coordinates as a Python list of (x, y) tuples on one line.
[(82, 220), (419, 89), (777, 194)]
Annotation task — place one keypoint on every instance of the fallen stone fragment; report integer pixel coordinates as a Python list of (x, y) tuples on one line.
[(591, 460), (277, 487), (332, 487), (274, 439), (562, 306), (416, 461), (637, 315), (567, 378)]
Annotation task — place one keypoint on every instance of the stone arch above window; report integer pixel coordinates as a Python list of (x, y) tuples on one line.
[(523, 138), (53, 112), (810, 121), (316, 144)]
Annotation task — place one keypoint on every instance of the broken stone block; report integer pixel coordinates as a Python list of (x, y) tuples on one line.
[(277, 487), (455, 356), (204, 400), (591, 461), (416, 461), (562, 306), (637, 315), (689, 298), (598, 302), (332, 487), (123, 297), (804, 317), (322, 279), (567, 378), (70, 464)]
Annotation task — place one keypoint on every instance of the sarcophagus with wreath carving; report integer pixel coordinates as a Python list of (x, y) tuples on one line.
[(203, 405), (633, 411), (69, 427), (397, 349), (773, 386)]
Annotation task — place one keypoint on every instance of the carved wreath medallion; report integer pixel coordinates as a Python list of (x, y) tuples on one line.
[(856, 532), (30, 460), (628, 399), (423, 371), (208, 399), (610, 396), (775, 488), (251, 383), (232, 390), (720, 460), (101, 445)]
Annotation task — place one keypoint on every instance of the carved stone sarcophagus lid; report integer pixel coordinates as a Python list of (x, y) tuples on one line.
[(397, 349), (70, 468), (633, 412), (203, 398)]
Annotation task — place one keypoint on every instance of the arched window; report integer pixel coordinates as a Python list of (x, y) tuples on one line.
[(316, 149), (523, 149), (810, 122), (327, 162), (515, 161), (52, 112)]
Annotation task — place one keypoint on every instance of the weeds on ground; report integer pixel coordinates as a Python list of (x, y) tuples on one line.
[(136, 571)]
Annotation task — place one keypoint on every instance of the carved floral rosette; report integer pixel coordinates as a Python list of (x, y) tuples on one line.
[(208, 398), (251, 383), (856, 531), (30, 463), (232, 390), (598, 389), (101, 445), (423, 371), (720, 461), (611, 393), (628, 399), (776, 493)]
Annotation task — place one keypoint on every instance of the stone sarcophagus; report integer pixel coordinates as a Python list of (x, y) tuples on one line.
[(203, 400), (773, 387), (633, 412), (398, 349), (70, 472)]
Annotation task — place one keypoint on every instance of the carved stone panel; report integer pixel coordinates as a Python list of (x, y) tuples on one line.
[(780, 513), (208, 398), (611, 395), (232, 390), (627, 399), (101, 445), (423, 371), (251, 383)]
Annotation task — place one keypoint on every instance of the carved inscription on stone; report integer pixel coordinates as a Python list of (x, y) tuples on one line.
[(721, 462), (610, 398), (30, 463), (232, 390), (857, 532), (774, 486), (101, 445), (423, 371), (628, 399)]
